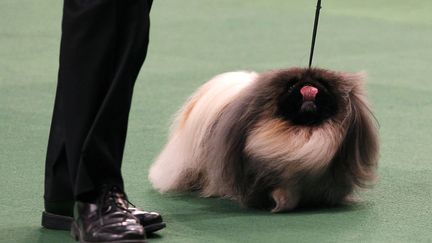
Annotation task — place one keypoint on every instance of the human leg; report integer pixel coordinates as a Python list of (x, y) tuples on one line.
[(99, 62)]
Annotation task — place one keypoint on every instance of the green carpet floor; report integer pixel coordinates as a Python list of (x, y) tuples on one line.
[(190, 42)]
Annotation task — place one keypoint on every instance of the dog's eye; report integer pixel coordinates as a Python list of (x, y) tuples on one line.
[(291, 88), (292, 84)]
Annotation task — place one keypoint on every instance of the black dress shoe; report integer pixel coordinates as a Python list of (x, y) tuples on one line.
[(59, 216), (151, 221), (106, 220)]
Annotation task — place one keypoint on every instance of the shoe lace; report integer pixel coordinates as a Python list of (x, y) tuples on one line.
[(129, 202), (113, 197)]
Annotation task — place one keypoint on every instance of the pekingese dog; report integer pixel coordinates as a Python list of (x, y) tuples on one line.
[(274, 140)]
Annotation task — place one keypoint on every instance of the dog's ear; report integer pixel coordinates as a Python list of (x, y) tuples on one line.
[(360, 148)]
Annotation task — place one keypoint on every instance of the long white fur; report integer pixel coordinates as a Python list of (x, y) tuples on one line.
[(190, 127)]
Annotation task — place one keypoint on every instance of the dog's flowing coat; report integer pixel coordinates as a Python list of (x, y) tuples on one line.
[(242, 136)]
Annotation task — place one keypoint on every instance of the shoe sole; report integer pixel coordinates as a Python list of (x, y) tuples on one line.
[(60, 222), (76, 235)]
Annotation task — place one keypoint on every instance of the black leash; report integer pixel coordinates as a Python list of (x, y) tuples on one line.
[(317, 13)]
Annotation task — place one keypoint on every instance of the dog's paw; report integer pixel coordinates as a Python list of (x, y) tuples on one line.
[(285, 200)]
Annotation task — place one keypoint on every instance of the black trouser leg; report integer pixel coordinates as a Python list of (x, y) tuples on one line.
[(103, 46)]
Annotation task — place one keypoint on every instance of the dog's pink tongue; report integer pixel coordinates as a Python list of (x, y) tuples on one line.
[(309, 93)]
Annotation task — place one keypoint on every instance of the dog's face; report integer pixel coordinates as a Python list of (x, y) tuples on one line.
[(309, 126), (307, 99)]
